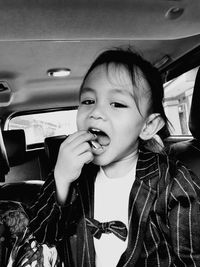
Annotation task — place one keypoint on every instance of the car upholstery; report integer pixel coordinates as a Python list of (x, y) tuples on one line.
[(189, 151)]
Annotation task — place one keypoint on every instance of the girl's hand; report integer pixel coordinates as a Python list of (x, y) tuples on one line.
[(74, 152)]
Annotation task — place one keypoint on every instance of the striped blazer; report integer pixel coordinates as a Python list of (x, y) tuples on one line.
[(164, 216)]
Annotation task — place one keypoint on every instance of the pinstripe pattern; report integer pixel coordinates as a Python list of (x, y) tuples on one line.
[(164, 216)]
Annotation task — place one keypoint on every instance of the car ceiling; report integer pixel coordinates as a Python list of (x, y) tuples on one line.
[(38, 35)]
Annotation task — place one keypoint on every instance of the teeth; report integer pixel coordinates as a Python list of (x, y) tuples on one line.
[(95, 130)]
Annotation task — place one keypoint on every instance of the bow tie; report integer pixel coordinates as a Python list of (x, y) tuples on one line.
[(116, 227)]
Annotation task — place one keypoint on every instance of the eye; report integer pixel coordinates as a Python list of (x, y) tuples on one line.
[(87, 102), (118, 105)]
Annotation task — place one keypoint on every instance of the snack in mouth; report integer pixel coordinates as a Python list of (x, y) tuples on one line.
[(102, 139)]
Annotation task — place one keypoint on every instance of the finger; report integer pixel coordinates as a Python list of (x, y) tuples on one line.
[(70, 139), (86, 157), (82, 148), (80, 138), (74, 135)]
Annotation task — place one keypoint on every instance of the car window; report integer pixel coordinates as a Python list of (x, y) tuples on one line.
[(40, 125), (178, 95), (177, 101)]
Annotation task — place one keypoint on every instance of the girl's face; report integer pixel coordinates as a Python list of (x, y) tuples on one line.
[(108, 109)]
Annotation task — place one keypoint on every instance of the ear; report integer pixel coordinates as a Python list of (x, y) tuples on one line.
[(152, 125)]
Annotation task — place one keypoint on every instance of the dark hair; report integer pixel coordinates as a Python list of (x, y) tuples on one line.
[(133, 62)]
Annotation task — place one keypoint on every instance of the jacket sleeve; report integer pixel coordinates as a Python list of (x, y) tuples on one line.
[(48, 218), (184, 217)]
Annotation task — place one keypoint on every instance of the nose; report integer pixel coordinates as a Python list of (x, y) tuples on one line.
[(98, 112)]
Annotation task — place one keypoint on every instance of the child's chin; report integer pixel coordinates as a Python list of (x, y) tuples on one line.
[(101, 160), (98, 160)]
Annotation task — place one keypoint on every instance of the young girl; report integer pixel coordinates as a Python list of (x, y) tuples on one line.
[(110, 201)]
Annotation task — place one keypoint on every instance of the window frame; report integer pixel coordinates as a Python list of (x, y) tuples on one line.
[(38, 145)]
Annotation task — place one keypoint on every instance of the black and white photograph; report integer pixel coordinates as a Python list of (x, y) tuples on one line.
[(99, 133)]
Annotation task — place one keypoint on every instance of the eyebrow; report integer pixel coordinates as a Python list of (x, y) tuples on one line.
[(113, 91), (86, 90), (122, 92)]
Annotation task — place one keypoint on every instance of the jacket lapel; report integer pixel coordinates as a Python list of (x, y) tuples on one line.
[(85, 186), (142, 197)]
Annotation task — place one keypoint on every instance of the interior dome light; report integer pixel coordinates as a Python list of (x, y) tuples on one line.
[(60, 73)]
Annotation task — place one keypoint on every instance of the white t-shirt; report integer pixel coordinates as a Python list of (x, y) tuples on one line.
[(111, 203)]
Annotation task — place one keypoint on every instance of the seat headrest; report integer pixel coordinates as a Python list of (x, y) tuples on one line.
[(4, 164), (52, 145), (15, 144), (194, 119)]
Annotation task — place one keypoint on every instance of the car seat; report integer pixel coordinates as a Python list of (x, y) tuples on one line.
[(23, 164), (4, 164), (188, 151), (52, 145), (15, 145), (21, 194)]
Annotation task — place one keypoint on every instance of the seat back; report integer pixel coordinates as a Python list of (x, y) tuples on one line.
[(189, 151), (52, 145), (23, 164), (12, 150), (15, 144), (4, 164)]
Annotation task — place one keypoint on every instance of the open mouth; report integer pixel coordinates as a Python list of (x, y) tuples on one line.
[(102, 139)]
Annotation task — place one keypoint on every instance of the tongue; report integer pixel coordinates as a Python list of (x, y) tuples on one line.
[(103, 140)]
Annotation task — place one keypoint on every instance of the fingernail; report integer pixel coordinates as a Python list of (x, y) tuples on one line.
[(94, 135), (95, 145)]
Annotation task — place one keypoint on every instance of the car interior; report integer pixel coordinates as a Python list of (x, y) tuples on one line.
[(46, 48)]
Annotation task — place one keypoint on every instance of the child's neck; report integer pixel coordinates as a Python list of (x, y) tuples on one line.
[(120, 168)]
